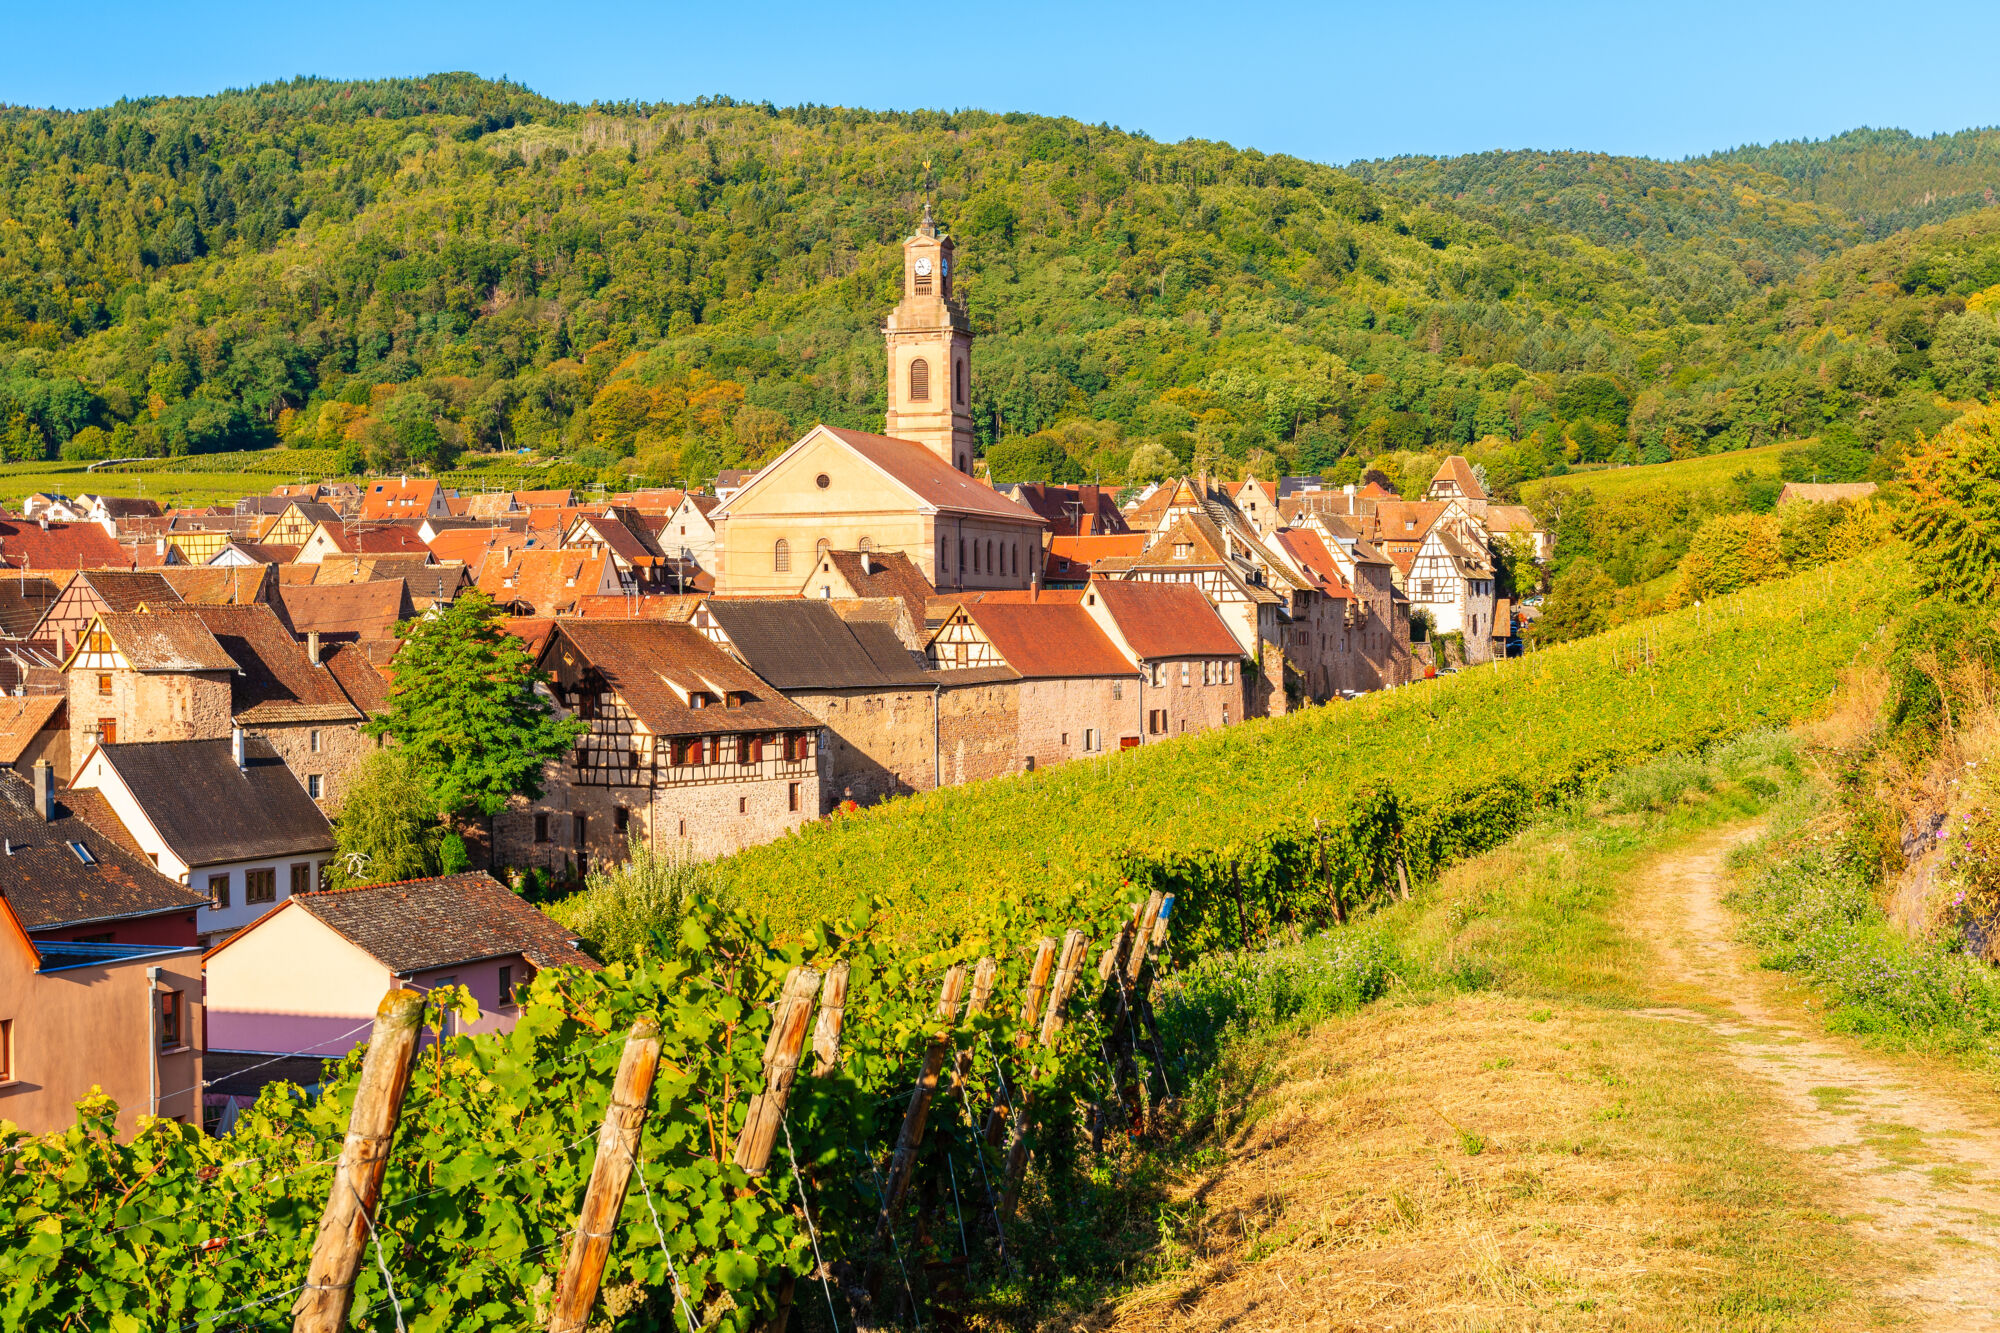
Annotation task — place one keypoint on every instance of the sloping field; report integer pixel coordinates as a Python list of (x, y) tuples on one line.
[(1681, 474), (1427, 774)]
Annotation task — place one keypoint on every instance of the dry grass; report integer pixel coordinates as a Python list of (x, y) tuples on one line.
[(1493, 1162)]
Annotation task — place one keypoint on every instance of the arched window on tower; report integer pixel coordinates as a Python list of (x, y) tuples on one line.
[(865, 544), (781, 556), (920, 381)]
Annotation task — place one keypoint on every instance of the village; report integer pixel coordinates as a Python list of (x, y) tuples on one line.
[(187, 695)]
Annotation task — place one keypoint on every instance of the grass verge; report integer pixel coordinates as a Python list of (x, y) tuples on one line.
[(1503, 1137)]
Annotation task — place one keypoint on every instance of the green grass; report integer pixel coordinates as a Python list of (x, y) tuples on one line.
[(203, 479), (1709, 471)]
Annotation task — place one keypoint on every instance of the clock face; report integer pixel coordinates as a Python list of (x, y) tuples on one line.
[(924, 267)]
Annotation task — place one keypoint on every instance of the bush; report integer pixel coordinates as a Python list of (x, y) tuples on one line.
[(623, 907)]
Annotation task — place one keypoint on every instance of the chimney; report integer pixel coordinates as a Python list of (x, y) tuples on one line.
[(312, 646), (45, 790), (1348, 490), (236, 749)]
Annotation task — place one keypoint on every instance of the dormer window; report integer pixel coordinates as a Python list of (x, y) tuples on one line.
[(698, 698), (734, 699), (1183, 550)]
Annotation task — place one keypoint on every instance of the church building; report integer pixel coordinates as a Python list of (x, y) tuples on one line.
[(909, 490)]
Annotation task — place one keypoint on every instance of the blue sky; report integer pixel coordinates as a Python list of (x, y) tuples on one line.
[(1331, 81)]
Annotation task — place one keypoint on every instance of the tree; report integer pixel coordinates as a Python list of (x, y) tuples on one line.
[(388, 826), (1730, 553), (1035, 458), (1578, 605), (464, 709), (1953, 519)]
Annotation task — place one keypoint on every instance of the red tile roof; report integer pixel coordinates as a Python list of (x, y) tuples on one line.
[(548, 581), (1162, 620), (1070, 558), (397, 497), (376, 539), (1048, 639), (1306, 548), (30, 546)]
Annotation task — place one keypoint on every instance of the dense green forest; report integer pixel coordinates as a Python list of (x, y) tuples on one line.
[(403, 270)]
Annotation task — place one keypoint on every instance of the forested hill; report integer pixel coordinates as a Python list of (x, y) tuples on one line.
[(404, 269)]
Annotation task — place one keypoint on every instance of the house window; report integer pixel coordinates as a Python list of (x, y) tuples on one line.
[(1424, 585), (1156, 721), (1065, 740), (312, 741), (920, 369), (1228, 671), (1090, 739), (172, 1027), (795, 747), (781, 556), (580, 827), (792, 796), (301, 877), (107, 730), (958, 382), (961, 553), (104, 682), (218, 890), (865, 544), (1117, 690), (1207, 672), (6, 1050), (541, 828), (315, 787), (506, 993), (1183, 550), (975, 557), (743, 805), (621, 819), (991, 567), (260, 886), (99, 641), (752, 749), (1186, 673), (1225, 715)]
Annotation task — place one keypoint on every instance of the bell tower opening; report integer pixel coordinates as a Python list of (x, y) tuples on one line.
[(930, 351)]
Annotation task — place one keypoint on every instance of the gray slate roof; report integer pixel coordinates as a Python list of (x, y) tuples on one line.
[(804, 645), (416, 925), (49, 885), (209, 811)]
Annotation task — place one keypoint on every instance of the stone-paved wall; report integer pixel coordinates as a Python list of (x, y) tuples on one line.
[(876, 743), (342, 748), (1075, 718), (147, 707), (979, 730)]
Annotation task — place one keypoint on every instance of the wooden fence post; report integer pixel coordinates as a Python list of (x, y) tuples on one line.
[(984, 974), (344, 1227), (781, 1068), (1075, 943), (903, 1164), (832, 1010), (610, 1176), (1031, 1009)]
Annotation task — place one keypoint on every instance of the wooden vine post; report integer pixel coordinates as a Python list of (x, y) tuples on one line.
[(344, 1227), (1075, 945), (610, 1176), (832, 1011), (903, 1163), (781, 1068), (1031, 1010), (783, 1050)]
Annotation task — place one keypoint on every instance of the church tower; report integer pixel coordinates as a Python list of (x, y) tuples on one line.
[(930, 353)]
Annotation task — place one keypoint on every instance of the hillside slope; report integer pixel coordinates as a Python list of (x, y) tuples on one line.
[(403, 269)]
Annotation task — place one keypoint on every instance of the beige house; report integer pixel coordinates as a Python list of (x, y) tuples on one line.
[(850, 491)]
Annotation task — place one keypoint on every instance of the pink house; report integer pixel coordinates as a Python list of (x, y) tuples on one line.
[(303, 980)]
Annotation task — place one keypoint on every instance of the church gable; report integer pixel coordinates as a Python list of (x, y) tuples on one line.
[(821, 474)]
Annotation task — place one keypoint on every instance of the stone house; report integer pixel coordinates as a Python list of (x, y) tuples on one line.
[(1071, 511), (848, 575), (687, 748), (623, 537), (1078, 696), (123, 1018), (1453, 581), (687, 534), (1190, 667), (333, 538), (224, 817), (878, 705)]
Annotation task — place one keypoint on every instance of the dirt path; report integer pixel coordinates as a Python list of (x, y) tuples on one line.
[(1918, 1160)]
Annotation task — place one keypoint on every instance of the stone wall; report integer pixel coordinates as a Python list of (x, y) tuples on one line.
[(875, 743), (1194, 707), (160, 706), (342, 748), (1060, 718), (979, 729)]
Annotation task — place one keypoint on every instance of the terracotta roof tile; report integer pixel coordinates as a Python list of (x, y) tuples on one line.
[(931, 479), (29, 546), (22, 718), (1161, 620), (274, 681), (166, 641), (345, 610), (1048, 639), (883, 574)]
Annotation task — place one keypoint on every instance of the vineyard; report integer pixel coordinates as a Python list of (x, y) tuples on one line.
[(950, 1017), (1239, 822)]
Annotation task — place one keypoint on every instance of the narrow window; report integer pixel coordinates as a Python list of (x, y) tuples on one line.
[(104, 682), (743, 805), (920, 372), (958, 383), (506, 984), (541, 828), (781, 556), (1184, 673), (170, 1020), (312, 741), (581, 829), (302, 877), (218, 890), (1117, 690), (621, 819), (792, 796), (975, 557), (961, 553), (314, 786), (990, 566), (6, 1050)]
